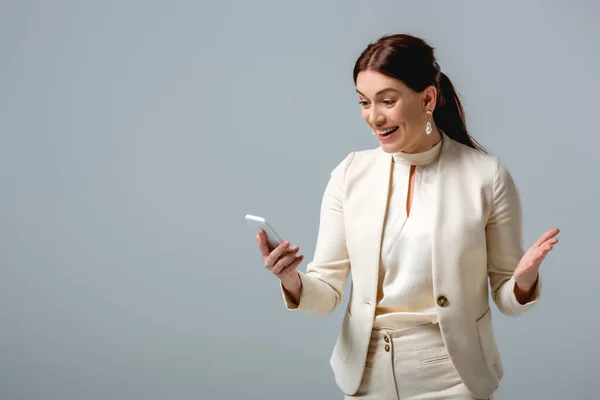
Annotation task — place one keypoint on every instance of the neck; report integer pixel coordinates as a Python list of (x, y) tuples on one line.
[(427, 142)]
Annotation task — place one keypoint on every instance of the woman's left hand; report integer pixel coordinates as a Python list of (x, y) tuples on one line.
[(526, 273)]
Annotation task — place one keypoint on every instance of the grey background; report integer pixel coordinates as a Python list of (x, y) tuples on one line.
[(135, 135)]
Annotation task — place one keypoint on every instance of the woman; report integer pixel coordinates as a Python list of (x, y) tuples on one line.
[(422, 221)]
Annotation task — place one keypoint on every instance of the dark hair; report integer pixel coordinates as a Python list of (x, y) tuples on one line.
[(411, 60)]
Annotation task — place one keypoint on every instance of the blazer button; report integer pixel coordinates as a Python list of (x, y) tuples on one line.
[(442, 301)]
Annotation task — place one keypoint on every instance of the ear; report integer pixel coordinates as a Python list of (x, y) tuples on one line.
[(430, 98)]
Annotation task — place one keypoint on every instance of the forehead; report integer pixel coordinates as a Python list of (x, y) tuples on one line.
[(369, 83)]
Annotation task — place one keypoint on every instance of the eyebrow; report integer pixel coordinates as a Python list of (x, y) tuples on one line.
[(381, 91)]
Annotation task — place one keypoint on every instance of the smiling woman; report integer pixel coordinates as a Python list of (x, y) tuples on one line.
[(425, 222), (399, 82)]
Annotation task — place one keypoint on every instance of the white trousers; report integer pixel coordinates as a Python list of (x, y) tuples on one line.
[(410, 364)]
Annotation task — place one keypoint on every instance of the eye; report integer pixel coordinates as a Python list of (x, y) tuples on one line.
[(363, 102), (389, 102)]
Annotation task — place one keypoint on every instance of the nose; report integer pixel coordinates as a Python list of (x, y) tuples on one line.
[(375, 118)]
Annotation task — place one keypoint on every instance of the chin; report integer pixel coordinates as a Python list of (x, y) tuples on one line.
[(391, 147), (387, 148)]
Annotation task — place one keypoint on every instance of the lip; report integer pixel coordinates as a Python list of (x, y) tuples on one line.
[(384, 139), (383, 129), (389, 137)]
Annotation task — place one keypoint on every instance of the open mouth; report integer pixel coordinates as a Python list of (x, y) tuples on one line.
[(386, 132)]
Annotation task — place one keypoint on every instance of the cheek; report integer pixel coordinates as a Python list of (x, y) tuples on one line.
[(397, 114), (406, 115), (364, 114)]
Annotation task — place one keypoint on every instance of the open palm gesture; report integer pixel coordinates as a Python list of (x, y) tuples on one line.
[(526, 273)]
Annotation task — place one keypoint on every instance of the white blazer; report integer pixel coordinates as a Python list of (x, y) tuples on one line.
[(477, 235)]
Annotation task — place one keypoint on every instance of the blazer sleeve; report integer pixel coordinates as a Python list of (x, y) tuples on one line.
[(504, 236), (325, 277)]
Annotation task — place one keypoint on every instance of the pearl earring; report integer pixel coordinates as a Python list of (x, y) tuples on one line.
[(428, 128)]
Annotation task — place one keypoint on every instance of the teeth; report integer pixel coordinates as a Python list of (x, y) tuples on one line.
[(377, 131)]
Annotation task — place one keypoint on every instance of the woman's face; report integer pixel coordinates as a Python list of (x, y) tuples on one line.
[(388, 105)]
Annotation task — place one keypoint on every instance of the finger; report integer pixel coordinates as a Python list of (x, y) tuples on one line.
[(293, 266), (264, 247), (544, 248), (284, 262), (276, 254), (547, 244), (547, 235), (539, 254), (262, 239)]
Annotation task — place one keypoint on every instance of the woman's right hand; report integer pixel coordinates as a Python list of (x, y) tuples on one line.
[(282, 261)]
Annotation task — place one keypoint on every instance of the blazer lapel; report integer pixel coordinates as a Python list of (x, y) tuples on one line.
[(446, 234), (374, 217), (438, 215)]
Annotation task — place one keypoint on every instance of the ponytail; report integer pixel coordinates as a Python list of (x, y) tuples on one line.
[(449, 115), (411, 60)]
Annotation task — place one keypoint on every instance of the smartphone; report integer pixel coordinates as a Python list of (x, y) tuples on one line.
[(273, 237)]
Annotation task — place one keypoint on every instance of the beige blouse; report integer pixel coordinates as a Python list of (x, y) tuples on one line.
[(405, 290)]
